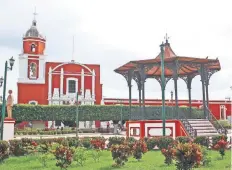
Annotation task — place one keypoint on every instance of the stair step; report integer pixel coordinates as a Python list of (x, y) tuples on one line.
[(207, 131), (207, 134), (203, 128), (197, 119), (196, 122), (201, 125)]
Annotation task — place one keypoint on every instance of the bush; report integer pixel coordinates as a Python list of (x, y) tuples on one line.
[(151, 143), (85, 142), (183, 139), (80, 155), (168, 154), (63, 156), (221, 146), (205, 159), (187, 156), (225, 124), (115, 141), (16, 148), (120, 154), (164, 142), (73, 142), (139, 149), (98, 143), (202, 140), (215, 139), (4, 153)]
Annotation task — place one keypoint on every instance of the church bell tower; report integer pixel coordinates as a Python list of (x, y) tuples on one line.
[(32, 58)]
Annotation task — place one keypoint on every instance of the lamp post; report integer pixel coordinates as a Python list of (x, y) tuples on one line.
[(163, 88), (120, 101), (77, 115), (11, 60)]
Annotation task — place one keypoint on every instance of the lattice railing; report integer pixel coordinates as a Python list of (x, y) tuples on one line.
[(220, 129)]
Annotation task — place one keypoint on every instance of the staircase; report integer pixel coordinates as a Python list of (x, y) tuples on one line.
[(203, 127)]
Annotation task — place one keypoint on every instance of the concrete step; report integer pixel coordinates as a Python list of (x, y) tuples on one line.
[(207, 134), (201, 125), (203, 128), (198, 120), (201, 122), (207, 131)]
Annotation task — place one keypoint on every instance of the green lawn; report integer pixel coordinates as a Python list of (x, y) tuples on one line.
[(152, 160)]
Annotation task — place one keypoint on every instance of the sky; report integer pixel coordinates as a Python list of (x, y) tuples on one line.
[(113, 32)]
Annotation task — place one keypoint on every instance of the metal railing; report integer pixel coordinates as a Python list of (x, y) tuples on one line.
[(220, 129), (192, 132)]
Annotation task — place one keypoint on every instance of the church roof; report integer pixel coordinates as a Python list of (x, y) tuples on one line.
[(33, 31)]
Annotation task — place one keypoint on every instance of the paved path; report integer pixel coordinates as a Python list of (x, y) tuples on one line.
[(123, 134)]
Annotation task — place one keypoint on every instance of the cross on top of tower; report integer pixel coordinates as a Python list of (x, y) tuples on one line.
[(34, 21), (35, 14), (166, 38)]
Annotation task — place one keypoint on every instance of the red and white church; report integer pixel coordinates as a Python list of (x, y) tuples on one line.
[(57, 83)]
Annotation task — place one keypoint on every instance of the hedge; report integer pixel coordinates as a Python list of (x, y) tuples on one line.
[(96, 112)]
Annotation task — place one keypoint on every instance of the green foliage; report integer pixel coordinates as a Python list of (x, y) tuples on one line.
[(225, 124), (90, 113), (85, 142), (151, 143), (4, 153), (44, 158), (206, 159), (115, 141), (183, 139), (202, 140), (164, 142), (80, 155)]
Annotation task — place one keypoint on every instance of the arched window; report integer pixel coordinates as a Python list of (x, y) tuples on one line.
[(33, 71), (33, 48)]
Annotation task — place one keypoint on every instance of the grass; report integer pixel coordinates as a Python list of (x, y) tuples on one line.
[(152, 160)]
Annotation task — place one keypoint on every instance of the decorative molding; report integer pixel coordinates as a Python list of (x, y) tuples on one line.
[(67, 85)]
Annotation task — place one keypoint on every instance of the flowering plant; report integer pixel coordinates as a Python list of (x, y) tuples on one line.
[(221, 146), (169, 154), (139, 149), (63, 156), (187, 155), (120, 154), (98, 143)]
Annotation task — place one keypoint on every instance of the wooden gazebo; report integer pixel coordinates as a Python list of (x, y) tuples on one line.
[(175, 67)]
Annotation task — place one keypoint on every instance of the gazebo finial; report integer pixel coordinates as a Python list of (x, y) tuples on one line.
[(166, 38)]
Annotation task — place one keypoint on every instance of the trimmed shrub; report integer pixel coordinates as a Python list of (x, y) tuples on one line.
[(183, 139), (151, 143), (4, 153), (164, 142), (202, 140), (115, 141)]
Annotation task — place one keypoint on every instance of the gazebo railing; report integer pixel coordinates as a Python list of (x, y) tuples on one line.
[(220, 129), (192, 132)]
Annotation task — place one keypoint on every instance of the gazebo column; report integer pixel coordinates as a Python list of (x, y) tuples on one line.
[(202, 70), (140, 95), (129, 78), (189, 83), (142, 82), (175, 78)]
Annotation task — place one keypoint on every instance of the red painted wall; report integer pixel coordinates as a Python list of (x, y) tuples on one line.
[(39, 92)]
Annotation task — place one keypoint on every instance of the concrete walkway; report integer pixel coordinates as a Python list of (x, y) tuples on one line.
[(105, 135)]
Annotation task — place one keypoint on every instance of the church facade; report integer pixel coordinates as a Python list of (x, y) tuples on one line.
[(42, 82)]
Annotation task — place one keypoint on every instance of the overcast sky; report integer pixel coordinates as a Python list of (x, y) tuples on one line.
[(111, 33)]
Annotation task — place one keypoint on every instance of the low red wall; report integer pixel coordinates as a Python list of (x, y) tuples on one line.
[(141, 128)]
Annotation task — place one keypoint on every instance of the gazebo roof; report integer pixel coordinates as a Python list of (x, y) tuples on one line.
[(186, 65)]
